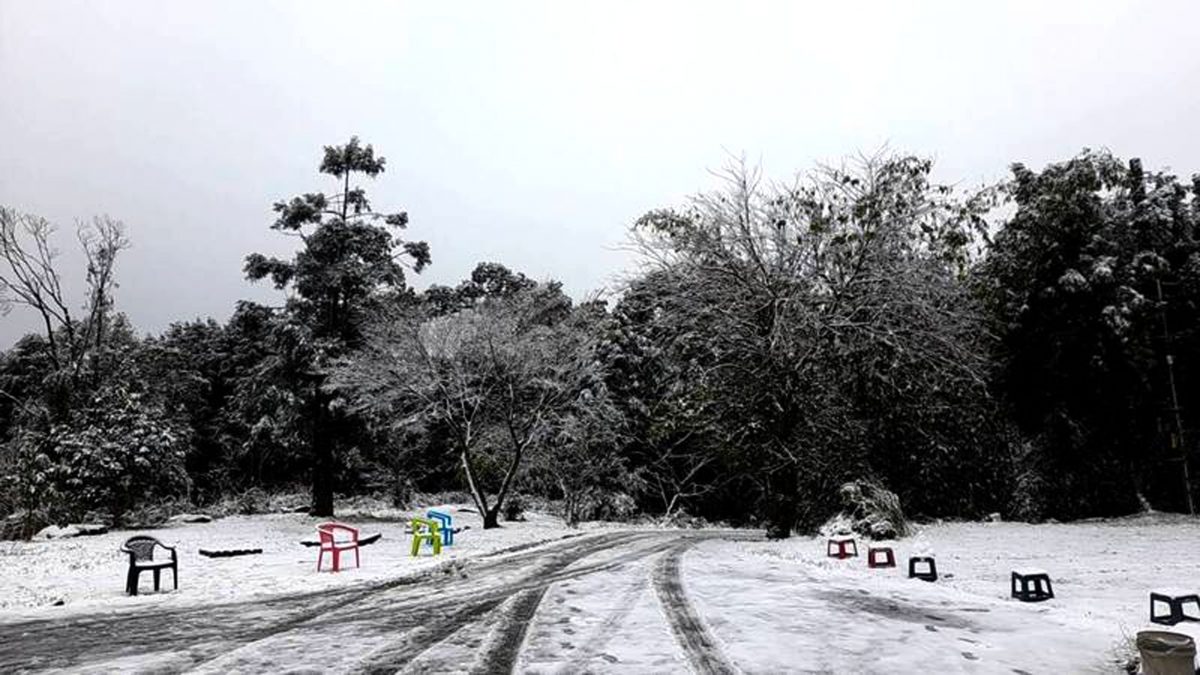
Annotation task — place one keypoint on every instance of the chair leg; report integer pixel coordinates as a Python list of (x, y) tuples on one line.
[(337, 560), (320, 557), (157, 578), (131, 581), (357, 563), (175, 576)]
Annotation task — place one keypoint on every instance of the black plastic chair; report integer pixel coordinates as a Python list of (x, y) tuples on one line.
[(141, 558)]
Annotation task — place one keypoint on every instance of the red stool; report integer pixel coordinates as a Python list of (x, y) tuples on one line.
[(846, 548), (880, 556)]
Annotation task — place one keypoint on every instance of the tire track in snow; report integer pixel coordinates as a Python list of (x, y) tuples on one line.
[(699, 645), (207, 632), (424, 630), (600, 638), (407, 617), (501, 654)]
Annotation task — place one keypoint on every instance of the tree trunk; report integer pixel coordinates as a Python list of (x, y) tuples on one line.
[(322, 483), (489, 515), (323, 461), (491, 518), (781, 503)]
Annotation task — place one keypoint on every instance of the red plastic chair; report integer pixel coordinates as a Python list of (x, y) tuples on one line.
[(330, 542)]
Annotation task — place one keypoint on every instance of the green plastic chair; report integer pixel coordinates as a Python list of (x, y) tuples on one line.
[(425, 530)]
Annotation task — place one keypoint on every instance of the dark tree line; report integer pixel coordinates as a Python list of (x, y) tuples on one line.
[(778, 340)]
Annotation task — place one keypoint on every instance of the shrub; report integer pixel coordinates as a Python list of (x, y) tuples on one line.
[(602, 505), (514, 507), (116, 453), (251, 502), (873, 510), (1029, 486)]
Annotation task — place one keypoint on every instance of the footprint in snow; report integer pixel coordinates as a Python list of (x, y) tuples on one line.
[(969, 656), (931, 629)]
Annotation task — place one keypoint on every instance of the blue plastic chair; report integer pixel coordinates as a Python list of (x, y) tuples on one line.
[(447, 529)]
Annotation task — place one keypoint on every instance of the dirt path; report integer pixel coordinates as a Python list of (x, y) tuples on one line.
[(379, 629)]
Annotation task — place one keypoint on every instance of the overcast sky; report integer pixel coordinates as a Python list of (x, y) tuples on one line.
[(534, 133)]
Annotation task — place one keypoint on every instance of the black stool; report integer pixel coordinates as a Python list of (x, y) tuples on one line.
[(924, 575), (1041, 588), (1175, 602)]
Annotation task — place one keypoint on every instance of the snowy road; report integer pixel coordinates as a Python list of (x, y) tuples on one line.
[(477, 617)]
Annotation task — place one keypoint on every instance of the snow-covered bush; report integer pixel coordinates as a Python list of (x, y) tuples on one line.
[(870, 510), (152, 513), (682, 519), (250, 502), (1029, 486), (256, 500), (114, 454), (514, 507), (601, 505)]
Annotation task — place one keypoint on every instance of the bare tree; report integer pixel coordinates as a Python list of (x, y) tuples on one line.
[(29, 278)]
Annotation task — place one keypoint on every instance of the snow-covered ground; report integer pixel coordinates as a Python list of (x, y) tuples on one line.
[(783, 607), (88, 573), (635, 601)]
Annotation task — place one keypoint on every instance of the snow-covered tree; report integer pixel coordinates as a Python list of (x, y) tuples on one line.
[(493, 376), (800, 314)]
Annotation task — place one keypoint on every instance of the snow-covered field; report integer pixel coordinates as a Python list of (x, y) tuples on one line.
[(759, 606), (88, 573), (770, 604)]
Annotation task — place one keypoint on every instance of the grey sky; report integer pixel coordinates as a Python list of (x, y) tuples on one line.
[(534, 133)]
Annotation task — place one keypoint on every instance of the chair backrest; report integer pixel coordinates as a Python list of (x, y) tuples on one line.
[(424, 525), (328, 532), (142, 547)]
